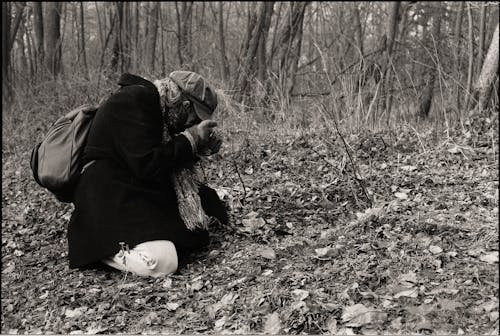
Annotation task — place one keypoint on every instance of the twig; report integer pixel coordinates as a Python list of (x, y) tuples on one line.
[(355, 168), (324, 159), (241, 180)]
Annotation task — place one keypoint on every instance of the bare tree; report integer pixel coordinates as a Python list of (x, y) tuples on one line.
[(82, 51), (388, 41), (482, 26), (425, 103), (38, 29), (53, 38), (290, 44), (6, 17), (488, 74), (471, 57), (222, 42), (184, 22), (117, 52), (249, 60), (151, 38), (457, 33), (357, 27)]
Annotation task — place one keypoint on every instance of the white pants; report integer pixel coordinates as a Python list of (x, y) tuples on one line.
[(154, 258)]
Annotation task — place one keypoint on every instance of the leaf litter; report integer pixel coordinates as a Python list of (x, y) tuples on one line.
[(305, 253)]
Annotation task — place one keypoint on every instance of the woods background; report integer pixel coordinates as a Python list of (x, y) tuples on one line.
[(374, 62)]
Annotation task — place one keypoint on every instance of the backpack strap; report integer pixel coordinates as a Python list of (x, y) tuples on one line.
[(128, 79)]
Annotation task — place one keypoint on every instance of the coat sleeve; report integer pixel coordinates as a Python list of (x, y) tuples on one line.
[(136, 124)]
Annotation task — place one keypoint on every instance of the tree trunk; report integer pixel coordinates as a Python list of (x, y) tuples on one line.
[(163, 24), (6, 17), (53, 38), (82, 43), (426, 98), (489, 71), (222, 44), (358, 29), (21, 49), (482, 25), (287, 36), (249, 60), (275, 31), (126, 35), (38, 29), (152, 35), (184, 22), (30, 45), (386, 76), (261, 48), (457, 34), (136, 36), (117, 56), (99, 25), (471, 59)]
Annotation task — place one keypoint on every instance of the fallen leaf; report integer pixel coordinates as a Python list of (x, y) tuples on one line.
[(409, 279), (167, 283), (273, 324), (331, 326), (401, 195), (300, 294), (229, 299), (266, 252), (412, 293), (493, 316), (475, 252), (423, 324), (421, 310), (220, 323), (267, 272), (408, 168), (73, 313), (490, 258), (9, 269), (439, 290), (358, 315), (346, 331), (196, 285), (369, 214), (95, 329), (489, 306), (435, 249), (397, 323), (172, 306), (129, 285), (327, 251), (150, 318), (447, 304), (251, 225)]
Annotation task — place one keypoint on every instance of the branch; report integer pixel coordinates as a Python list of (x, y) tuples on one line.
[(355, 168)]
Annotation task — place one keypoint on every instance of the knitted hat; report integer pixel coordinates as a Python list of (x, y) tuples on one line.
[(198, 90)]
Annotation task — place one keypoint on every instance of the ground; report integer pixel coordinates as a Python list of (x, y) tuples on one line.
[(405, 242)]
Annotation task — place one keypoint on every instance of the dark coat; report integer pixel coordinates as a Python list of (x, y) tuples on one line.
[(126, 195)]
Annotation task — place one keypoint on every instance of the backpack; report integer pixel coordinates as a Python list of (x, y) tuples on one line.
[(56, 161)]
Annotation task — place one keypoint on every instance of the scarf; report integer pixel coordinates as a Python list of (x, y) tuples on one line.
[(186, 180)]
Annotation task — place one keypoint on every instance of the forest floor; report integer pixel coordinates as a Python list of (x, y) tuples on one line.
[(306, 252)]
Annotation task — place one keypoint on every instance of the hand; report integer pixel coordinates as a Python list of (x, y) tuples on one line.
[(201, 132), (212, 146)]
